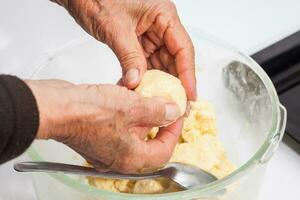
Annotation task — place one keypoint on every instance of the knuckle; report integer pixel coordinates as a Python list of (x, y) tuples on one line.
[(130, 58), (123, 94), (101, 25), (123, 100), (171, 5), (166, 3), (123, 91), (167, 6), (104, 29), (148, 110), (137, 109)]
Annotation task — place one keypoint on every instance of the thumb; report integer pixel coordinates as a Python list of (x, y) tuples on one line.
[(160, 149), (155, 112), (131, 57)]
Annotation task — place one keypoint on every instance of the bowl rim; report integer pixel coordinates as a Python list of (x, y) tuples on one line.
[(211, 188)]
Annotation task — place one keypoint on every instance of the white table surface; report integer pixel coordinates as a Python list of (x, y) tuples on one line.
[(32, 28)]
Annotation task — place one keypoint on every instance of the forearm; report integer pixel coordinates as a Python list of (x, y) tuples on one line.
[(65, 109), (19, 118), (55, 107)]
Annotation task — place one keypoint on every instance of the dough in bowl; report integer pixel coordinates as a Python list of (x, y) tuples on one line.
[(156, 83), (198, 145)]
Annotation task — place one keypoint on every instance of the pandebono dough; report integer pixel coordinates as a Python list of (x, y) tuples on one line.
[(198, 144), (156, 83)]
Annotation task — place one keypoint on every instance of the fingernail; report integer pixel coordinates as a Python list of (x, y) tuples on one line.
[(172, 112), (132, 76)]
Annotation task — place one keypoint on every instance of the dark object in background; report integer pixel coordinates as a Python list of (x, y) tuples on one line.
[(281, 61)]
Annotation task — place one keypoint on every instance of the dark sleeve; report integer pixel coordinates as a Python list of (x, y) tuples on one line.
[(19, 117)]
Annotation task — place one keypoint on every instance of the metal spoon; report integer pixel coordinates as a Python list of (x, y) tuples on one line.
[(186, 176)]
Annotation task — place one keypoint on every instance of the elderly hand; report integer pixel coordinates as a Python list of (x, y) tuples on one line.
[(107, 124), (142, 33)]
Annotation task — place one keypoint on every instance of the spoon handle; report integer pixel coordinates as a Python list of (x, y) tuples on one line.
[(79, 170)]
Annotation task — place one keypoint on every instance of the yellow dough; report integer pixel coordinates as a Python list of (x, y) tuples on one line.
[(161, 84), (198, 144)]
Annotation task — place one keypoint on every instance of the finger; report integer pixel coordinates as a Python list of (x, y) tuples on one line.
[(186, 73), (148, 45), (131, 56), (180, 46), (165, 57), (168, 61), (154, 112), (188, 109), (159, 150), (150, 153), (154, 38), (155, 60), (172, 69), (149, 64), (141, 131)]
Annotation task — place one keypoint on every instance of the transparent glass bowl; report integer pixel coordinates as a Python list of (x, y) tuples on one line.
[(251, 121)]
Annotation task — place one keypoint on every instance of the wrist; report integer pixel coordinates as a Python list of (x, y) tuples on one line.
[(43, 122), (50, 104)]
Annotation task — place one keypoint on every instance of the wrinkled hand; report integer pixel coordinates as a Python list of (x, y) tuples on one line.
[(107, 124), (143, 34)]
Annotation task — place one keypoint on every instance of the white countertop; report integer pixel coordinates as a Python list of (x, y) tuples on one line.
[(32, 28)]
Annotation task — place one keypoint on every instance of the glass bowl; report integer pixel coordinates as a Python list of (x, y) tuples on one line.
[(251, 120)]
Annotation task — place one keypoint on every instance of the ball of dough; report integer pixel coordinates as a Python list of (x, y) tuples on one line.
[(156, 83)]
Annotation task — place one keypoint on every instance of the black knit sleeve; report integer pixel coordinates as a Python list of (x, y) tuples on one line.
[(19, 117)]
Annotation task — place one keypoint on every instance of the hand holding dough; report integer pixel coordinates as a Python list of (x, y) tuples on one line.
[(156, 83)]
